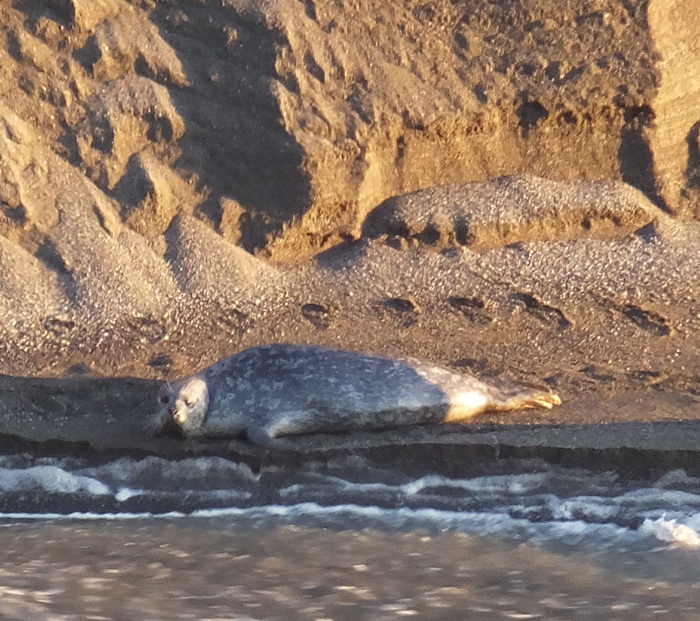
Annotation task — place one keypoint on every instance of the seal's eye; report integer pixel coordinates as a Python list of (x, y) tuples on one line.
[(164, 399), (188, 402)]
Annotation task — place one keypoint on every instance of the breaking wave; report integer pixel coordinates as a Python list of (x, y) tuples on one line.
[(541, 503)]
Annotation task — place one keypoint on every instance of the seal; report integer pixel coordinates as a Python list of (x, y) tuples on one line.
[(282, 390)]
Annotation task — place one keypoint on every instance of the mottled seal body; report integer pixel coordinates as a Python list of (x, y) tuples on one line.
[(277, 390)]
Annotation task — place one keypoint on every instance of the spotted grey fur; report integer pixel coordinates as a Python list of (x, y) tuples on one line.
[(277, 390)]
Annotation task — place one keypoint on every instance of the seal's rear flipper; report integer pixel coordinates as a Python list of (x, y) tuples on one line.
[(528, 397), (546, 400)]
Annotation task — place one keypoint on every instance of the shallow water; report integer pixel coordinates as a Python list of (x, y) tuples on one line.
[(210, 539), (230, 568)]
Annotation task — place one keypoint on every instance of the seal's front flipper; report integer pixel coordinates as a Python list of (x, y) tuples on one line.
[(266, 436), (260, 435), (274, 434)]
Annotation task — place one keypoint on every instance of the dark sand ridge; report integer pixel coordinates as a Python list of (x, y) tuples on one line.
[(638, 433)]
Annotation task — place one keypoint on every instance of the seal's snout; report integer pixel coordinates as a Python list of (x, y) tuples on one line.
[(179, 416)]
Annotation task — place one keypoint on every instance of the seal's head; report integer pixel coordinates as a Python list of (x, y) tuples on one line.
[(183, 404)]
